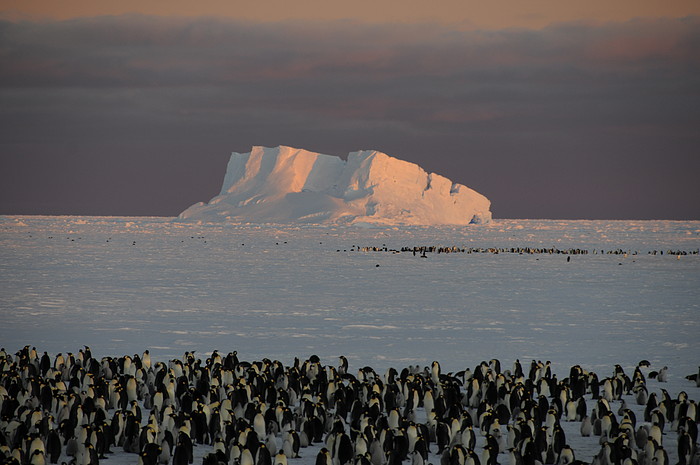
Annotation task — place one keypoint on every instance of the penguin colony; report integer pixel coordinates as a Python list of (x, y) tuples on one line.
[(79, 410), (512, 250)]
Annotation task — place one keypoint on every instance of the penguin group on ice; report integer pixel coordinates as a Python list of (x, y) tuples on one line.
[(76, 409), (425, 249)]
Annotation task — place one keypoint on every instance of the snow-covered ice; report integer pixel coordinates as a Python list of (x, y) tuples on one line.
[(123, 285), (272, 290)]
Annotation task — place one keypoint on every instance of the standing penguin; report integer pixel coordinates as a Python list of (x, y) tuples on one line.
[(435, 372), (53, 446), (566, 456), (417, 459), (38, 457), (183, 450), (165, 453), (517, 369), (263, 456), (421, 448), (660, 456), (685, 448), (489, 456), (342, 365), (280, 458), (323, 457), (246, 457)]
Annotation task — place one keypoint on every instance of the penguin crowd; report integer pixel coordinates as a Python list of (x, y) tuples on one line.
[(422, 250), (77, 410)]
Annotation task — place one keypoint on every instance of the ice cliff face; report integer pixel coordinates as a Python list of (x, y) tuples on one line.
[(288, 185)]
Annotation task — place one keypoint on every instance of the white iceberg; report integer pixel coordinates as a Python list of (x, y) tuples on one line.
[(289, 185)]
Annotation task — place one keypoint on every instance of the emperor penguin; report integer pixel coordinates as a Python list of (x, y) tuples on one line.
[(280, 458), (656, 434), (417, 459), (376, 452), (685, 448), (53, 446), (246, 457), (586, 426), (291, 443), (660, 456), (514, 457), (421, 448), (263, 457), (259, 425), (566, 456), (489, 456), (360, 446), (131, 389), (38, 457), (323, 457), (647, 451), (36, 444), (435, 372), (342, 365), (428, 401), (165, 453), (641, 395)]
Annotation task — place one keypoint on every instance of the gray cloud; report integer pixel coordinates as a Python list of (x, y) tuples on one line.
[(137, 114)]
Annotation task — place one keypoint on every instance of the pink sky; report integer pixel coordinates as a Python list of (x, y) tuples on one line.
[(552, 109), (466, 14)]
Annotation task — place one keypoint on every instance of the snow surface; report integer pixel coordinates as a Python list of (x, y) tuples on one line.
[(289, 185), (123, 285)]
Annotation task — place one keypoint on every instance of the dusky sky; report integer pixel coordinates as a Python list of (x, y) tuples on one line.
[(552, 109)]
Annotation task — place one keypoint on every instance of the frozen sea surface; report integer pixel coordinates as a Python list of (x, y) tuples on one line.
[(123, 285), (127, 284)]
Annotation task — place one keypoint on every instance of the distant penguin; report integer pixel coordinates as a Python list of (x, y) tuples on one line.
[(435, 372), (517, 369), (342, 365)]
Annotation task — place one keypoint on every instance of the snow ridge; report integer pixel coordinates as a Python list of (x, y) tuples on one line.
[(290, 185)]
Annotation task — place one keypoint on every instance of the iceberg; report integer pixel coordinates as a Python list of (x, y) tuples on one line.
[(290, 185)]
